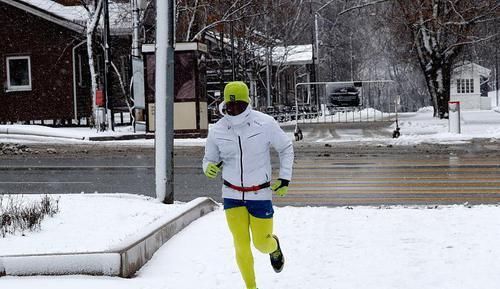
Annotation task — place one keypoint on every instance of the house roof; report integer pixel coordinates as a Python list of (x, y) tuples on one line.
[(47, 10), (468, 67), (289, 55), (281, 55), (75, 17), (293, 54)]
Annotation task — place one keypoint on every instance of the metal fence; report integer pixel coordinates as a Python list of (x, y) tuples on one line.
[(368, 101), (345, 116)]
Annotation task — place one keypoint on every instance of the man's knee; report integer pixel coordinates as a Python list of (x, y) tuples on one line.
[(265, 244)]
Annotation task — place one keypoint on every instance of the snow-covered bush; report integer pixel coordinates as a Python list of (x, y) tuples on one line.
[(18, 214), (426, 109)]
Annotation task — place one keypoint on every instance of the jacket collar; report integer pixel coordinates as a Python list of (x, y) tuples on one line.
[(239, 119)]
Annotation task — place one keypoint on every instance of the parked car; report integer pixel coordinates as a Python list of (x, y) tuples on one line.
[(346, 96)]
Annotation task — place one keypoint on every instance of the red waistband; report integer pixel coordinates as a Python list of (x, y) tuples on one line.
[(247, 189)]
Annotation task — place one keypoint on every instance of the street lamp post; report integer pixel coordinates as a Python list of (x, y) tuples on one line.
[(316, 44), (316, 32)]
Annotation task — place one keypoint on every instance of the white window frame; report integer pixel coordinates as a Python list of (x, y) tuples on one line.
[(18, 87), (465, 85)]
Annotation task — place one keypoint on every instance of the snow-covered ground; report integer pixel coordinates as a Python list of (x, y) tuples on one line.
[(90, 223), (448, 247), (422, 127), (417, 127)]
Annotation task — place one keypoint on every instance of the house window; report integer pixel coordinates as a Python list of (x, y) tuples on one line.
[(465, 85), (18, 73)]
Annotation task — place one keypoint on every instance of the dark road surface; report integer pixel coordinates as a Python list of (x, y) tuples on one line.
[(323, 175)]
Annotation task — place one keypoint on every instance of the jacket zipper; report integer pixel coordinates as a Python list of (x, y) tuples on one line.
[(241, 165)]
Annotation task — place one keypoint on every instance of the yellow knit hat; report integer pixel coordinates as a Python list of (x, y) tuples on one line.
[(236, 91)]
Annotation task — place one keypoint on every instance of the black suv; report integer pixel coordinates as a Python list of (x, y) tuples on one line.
[(345, 96)]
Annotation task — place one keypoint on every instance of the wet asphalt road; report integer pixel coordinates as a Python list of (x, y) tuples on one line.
[(337, 175)]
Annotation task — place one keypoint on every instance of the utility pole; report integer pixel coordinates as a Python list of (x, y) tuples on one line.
[(352, 57), (137, 64), (316, 59), (496, 65), (268, 76), (316, 29), (233, 62), (313, 77), (221, 63), (268, 62), (164, 99), (107, 59)]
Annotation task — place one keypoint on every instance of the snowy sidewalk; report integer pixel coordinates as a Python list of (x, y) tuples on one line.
[(451, 247)]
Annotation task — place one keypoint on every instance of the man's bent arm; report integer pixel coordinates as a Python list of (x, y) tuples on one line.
[(284, 146), (212, 154)]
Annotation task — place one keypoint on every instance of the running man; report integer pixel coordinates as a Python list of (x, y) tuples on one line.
[(239, 145)]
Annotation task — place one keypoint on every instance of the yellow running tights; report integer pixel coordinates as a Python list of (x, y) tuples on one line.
[(240, 224)]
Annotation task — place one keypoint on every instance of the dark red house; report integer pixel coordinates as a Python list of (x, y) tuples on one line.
[(44, 68), (45, 72), (39, 55)]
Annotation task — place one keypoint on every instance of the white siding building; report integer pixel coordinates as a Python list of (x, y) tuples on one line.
[(465, 87), (494, 97)]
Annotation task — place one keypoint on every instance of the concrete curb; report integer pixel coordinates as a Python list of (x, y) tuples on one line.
[(136, 255), (123, 262)]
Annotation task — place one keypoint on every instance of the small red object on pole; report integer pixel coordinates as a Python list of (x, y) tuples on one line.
[(99, 98)]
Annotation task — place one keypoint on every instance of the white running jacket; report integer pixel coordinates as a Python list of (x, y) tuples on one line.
[(243, 144)]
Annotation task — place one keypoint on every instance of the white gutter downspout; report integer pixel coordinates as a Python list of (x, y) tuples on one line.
[(74, 77)]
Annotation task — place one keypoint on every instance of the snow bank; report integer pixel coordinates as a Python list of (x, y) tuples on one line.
[(36, 130), (92, 223)]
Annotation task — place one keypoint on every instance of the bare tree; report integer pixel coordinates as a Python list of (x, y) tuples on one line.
[(94, 14), (438, 31), (255, 26), (194, 17)]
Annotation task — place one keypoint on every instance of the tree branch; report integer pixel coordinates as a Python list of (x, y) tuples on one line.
[(469, 42), (361, 6)]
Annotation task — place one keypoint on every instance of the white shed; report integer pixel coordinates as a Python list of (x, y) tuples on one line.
[(466, 81)]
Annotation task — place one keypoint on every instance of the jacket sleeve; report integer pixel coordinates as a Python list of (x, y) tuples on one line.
[(283, 145), (212, 154)]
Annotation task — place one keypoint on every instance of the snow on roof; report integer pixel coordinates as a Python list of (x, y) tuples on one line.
[(467, 67), (293, 54), (284, 55), (71, 13), (288, 55), (119, 13)]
